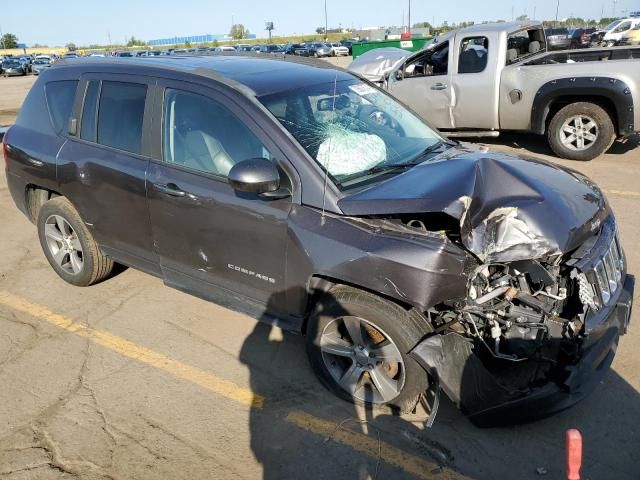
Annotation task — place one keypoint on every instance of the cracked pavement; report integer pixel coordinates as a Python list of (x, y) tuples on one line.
[(71, 408)]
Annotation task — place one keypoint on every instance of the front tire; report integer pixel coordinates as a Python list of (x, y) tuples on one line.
[(358, 345), (69, 246), (581, 131)]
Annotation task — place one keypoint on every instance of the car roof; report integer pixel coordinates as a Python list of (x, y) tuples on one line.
[(262, 76)]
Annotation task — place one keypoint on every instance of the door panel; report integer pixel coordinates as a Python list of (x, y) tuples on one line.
[(426, 89), (236, 241), (108, 185), (476, 83), (207, 235)]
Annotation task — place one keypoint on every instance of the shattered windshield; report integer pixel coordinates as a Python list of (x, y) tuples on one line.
[(354, 131)]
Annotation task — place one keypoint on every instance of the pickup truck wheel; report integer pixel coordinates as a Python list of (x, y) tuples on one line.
[(581, 131), (69, 246), (358, 345)]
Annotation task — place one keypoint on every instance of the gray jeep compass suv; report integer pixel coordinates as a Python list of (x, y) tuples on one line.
[(304, 196)]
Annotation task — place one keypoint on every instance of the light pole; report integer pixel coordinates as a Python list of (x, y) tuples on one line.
[(558, 8), (409, 19), (326, 22)]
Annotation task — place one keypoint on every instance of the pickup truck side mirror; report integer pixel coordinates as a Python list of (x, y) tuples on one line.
[(400, 73)]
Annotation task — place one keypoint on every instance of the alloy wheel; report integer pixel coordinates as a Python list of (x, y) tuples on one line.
[(362, 359), (64, 244), (579, 132)]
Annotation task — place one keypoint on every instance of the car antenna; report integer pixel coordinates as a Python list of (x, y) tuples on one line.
[(326, 166)]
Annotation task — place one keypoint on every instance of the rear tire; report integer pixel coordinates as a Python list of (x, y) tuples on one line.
[(581, 131), (391, 378), (69, 246)]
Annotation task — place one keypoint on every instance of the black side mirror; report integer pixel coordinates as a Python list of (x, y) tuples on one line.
[(256, 175)]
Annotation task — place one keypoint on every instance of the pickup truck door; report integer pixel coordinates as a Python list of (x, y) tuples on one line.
[(475, 82), (424, 83)]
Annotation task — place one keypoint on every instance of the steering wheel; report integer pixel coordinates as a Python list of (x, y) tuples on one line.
[(379, 119)]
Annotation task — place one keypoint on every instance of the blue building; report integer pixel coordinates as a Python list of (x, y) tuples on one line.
[(194, 39)]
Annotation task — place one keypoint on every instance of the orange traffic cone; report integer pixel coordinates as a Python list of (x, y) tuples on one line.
[(573, 440)]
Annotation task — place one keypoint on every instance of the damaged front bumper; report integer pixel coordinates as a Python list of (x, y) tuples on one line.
[(451, 362)]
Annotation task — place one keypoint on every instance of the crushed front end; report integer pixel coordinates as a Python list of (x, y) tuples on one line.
[(532, 337)]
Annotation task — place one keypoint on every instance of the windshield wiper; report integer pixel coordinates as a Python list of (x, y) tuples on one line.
[(387, 168), (394, 167), (439, 145)]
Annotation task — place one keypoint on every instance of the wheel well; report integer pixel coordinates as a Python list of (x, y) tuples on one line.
[(319, 284), (560, 102), (36, 197)]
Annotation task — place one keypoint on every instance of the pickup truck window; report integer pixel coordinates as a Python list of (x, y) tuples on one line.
[(60, 97), (473, 55), (433, 62), (121, 114), (203, 135), (525, 43), (624, 26)]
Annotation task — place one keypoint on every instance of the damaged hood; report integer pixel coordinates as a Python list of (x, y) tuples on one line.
[(509, 208), (375, 64)]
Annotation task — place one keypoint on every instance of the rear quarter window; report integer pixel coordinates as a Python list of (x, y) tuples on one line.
[(60, 96)]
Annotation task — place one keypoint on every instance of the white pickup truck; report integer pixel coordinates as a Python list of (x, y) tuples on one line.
[(488, 78)]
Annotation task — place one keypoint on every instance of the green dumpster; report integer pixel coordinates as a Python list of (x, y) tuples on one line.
[(413, 45)]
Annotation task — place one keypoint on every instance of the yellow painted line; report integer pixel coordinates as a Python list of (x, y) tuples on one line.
[(144, 355), (369, 446), (623, 193)]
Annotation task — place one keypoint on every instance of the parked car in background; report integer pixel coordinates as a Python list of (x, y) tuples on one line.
[(339, 50), (298, 49), (632, 37), (224, 48), (70, 55), (179, 51), (270, 48), (255, 48), (13, 67), (243, 47), (26, 61), (319, 49), (348, 44), (124, 54), (580, 37), (558, 39), (40, 64), (411, 263)]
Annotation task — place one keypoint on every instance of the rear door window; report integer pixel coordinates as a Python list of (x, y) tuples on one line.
[(121, 115), (473, 55), (60, 96)]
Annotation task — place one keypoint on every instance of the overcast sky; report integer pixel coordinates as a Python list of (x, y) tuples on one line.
[(85, 22)]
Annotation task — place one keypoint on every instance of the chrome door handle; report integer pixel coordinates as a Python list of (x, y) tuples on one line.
[(170, 189), (439, 86)]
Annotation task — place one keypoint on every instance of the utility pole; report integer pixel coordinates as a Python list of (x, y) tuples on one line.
[(534, 12), (409, 19), (614, 8), (558, 8), (326, 22)]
